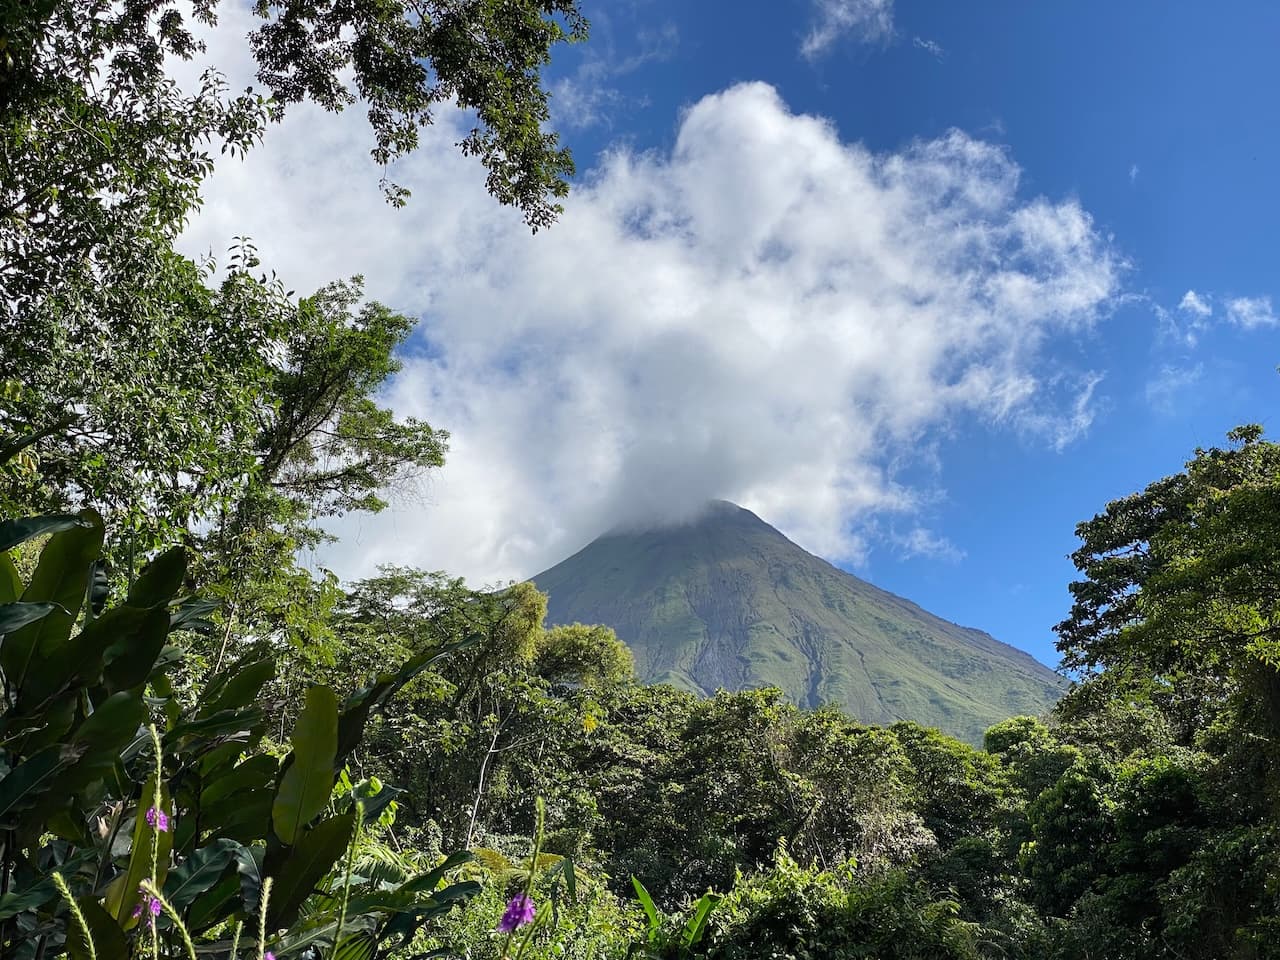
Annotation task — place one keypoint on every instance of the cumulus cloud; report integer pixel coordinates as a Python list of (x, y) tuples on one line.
[(866, 21), (763, 313), (1252, 312)]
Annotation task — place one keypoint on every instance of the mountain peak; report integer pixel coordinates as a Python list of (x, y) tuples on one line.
[(724, 600)]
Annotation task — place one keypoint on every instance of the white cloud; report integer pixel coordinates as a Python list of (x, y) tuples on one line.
[(1252, 312), (866, 21), (931, 47), (1164, 389), (920, 542), (1195, 305), (588, 97), (765, 313), (1134, 170)]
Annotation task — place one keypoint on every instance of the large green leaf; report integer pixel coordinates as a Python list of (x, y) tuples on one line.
[(220, 724), (10, 582), (159, 580), (427, 882), (361, 946), (62, 578), (16, 615), (191, 612), (20, 901), (108, 939), (199, 872), (133, 654), (249, 867), (407, 922), (251, 774), (14, 532), (237, 687), (27, 784), (650, 909), (100, 739), (119, 628), (697, 924), (214, 906), (312, 857), (307, 778)]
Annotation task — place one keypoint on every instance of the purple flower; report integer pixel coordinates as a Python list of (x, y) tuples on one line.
[(519, 912), (157, 819), (268, 956), (151, 905)]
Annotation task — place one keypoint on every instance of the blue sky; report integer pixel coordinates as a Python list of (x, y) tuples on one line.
[(1158, 117), (924, 285)]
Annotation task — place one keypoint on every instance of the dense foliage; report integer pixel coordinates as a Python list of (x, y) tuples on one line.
[(1138, 821)]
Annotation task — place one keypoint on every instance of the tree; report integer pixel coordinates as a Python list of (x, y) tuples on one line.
[(1180, 604), (146, 377)]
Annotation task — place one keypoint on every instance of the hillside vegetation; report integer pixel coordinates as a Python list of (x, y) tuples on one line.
[(726, 601)]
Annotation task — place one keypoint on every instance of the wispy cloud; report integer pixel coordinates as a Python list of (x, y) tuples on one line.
[(1251, 312), (1193, 304), (931, 47), (920, 542), (1134, 170), (866, 21), (1165, 389), (590, 96)]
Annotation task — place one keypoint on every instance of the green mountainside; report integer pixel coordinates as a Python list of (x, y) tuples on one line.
[(728, 601)]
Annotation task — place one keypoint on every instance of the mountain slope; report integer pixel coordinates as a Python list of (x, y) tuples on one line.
[(728, 601)]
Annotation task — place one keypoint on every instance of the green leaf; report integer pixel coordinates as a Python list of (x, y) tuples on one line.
[(199, 872), (14, 903), (15, 615), (307, 781), (190, 610), (14, 532), (159, 580), (108, 939), (361, 946), (214, 906), (313, 856), (252, 774), (361, 703), (27, 783), (10, 582), (249, 867), (237, 687), (228, 721), (427, 882), (408, 921), (62, 578), (697, 925), (130, 659), (651, 911)]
